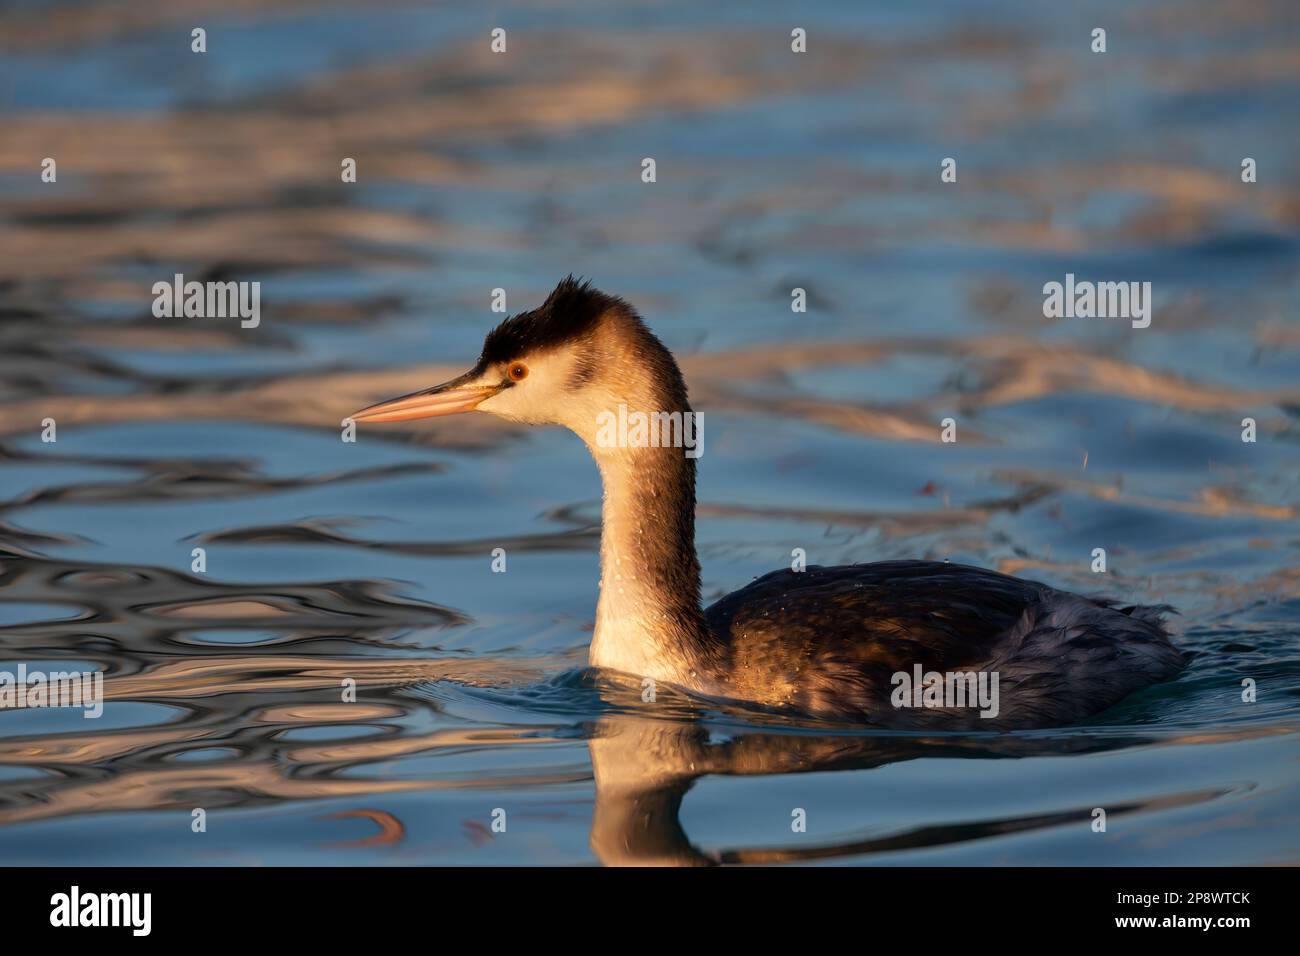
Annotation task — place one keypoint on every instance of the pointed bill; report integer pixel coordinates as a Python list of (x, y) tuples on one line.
[(449, 398)]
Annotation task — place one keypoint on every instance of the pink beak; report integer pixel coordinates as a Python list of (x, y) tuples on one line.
[(449, 398)]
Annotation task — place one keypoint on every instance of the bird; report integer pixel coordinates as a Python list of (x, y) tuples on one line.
[(874, 644)]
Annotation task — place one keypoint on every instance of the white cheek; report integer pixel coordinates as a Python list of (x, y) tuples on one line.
[(539, 399), (520, 403)]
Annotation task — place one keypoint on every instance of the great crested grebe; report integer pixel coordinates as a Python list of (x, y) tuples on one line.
[(832, 643)]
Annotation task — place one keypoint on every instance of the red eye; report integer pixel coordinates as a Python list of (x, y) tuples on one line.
[(518, 372)]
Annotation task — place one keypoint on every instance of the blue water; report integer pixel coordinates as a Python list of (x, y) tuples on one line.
[(370, 561)]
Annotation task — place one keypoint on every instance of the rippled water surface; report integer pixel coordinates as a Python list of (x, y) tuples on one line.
[(329, 561)]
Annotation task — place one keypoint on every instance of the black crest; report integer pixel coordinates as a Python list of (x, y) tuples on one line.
[(568, 315)]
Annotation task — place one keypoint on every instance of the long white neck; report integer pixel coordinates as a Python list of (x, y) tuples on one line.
[(648, 619)]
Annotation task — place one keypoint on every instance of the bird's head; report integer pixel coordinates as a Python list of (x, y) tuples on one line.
[(581, 353)]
